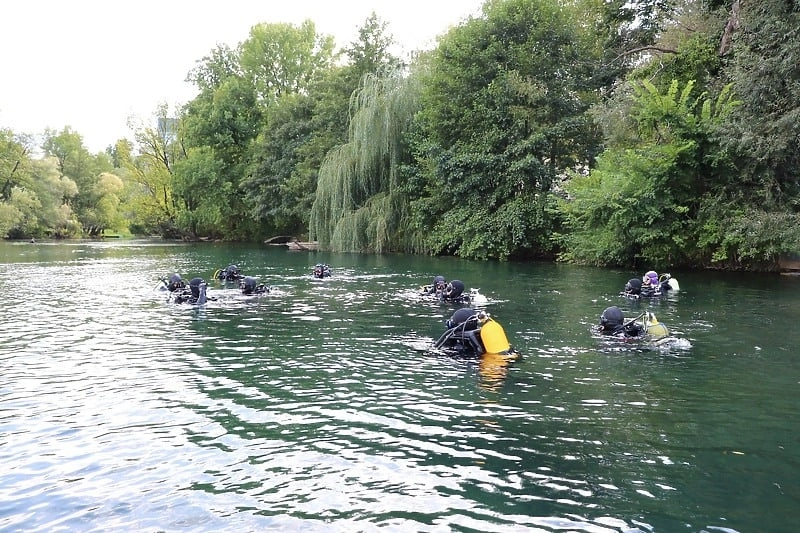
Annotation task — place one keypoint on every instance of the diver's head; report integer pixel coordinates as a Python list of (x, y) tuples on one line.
[(611, 318), (463, 316), (634, 286), (175, 282), (194, 285), (248, 285), (454, 288), (651, 278)]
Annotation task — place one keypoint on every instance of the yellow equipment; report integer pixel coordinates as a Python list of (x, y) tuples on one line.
[(654, 327), (494, 337)]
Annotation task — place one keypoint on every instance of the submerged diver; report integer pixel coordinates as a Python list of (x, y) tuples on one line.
[(633, 288), (229, 273), (194, 294), (650, 285), (249, 285), (321, 270), (454, 292), (174, 283), (436, 288), (612, 322)]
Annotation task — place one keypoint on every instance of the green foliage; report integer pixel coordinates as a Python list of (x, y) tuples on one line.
[(149, 200), (624, 212), (55, 217), (642, 202), (34, 193), (203, 193), (696, 58), (222, 123), (272, 202), (280, 59), (749, 238), (764, 132), (475, 231), (503, 118), (301, 129), (360, 204), (76, 163), (516, 137)]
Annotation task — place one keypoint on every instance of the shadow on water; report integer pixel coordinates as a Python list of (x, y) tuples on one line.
[(319, 406)]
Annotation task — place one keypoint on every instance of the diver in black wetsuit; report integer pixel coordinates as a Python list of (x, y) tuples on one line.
[(321, 270), (195, 294), (249, 285), (454, 292), (463, 330), (175, 283), (229, 273), (612, 322), (437, 287)]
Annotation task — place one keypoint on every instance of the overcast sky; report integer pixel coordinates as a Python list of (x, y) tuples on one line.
[(92, 64)]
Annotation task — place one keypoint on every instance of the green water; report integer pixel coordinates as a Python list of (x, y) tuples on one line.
[(317, 407)]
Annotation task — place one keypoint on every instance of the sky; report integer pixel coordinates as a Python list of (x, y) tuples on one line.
[(94, 64)]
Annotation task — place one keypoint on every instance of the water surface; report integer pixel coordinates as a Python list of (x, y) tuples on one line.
[(318, 408)]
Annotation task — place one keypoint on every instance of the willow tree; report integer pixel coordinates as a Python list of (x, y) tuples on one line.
[(360, 203)]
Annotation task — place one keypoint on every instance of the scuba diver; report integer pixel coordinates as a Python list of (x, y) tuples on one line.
[(229, 273), (454, 292), (175, 283), (613, 323), (471, 332), (633, 288), (664, 282), (249, 285), (650, 285), (321, 270), (194, 294), (436, 288)]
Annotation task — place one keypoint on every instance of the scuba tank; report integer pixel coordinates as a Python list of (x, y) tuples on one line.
[(654, 327), (493, 337), (666, 279)]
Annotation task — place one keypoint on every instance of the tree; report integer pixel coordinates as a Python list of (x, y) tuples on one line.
[(764, 131), (76, 163), (503, 117), (34, 193), (148, 176), (202, 191), (279, 59), (224, 122), (14, 161), (360, 204), (647, 200), (302, 128), (54, 216)]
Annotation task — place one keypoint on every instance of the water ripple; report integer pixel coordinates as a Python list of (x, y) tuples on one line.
[(319, 406)]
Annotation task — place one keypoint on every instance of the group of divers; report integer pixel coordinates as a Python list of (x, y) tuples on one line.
[(470, 331)]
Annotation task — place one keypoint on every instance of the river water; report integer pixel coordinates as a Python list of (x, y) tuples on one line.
[(318, 407)]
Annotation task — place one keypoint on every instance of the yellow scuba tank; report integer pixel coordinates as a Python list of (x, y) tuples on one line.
[(494, 338), (654, 327)]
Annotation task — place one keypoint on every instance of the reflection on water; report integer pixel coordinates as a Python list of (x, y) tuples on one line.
[(320, 406)]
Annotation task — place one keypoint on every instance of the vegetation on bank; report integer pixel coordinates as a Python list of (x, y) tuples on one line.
[(606, 132)]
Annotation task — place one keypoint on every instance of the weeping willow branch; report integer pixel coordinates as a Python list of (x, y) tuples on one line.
[(359, 206)]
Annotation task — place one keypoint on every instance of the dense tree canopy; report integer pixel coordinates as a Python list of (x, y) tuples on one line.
[(503, 117), (611, 132)]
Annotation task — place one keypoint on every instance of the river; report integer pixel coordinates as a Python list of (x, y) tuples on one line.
[(318, 407)]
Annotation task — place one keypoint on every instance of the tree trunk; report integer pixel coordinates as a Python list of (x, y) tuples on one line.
[(730, 28)]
